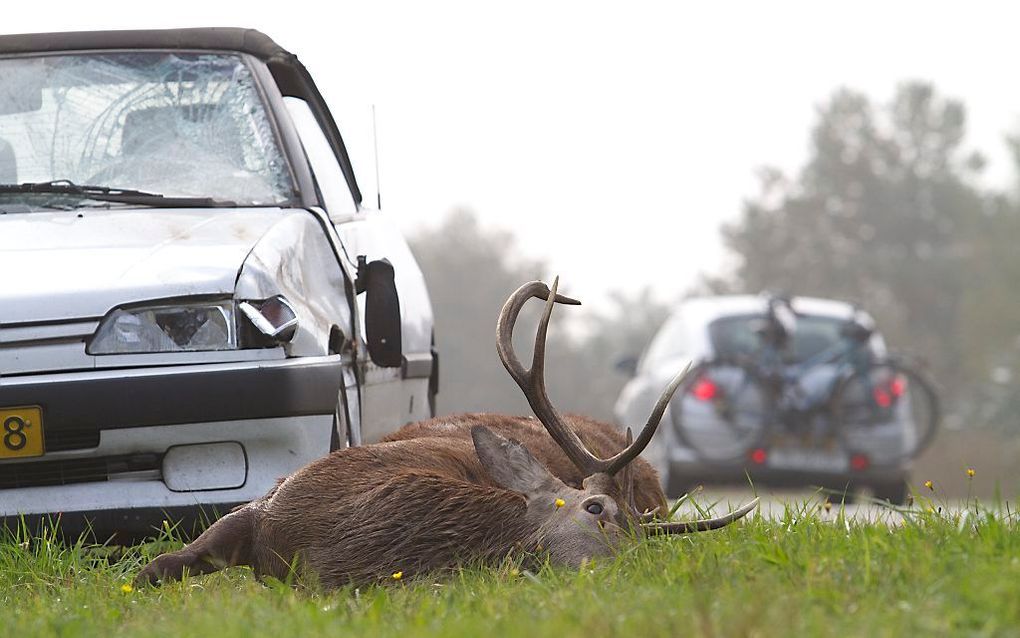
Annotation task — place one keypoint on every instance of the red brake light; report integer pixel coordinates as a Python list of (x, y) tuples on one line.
[(882, 397), (898, 386), (704, 389), (887, 392), (758, 456), (860, 462)]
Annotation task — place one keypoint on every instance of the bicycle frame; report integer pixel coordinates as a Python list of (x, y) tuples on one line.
[(791, 401)]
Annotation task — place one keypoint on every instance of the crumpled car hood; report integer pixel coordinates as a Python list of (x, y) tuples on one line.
[(76, 264)]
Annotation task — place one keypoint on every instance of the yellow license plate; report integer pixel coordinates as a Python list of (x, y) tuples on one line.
[(21, 432)]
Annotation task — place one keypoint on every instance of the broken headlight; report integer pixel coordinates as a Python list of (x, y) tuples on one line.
[(273, 318), (167, 328)]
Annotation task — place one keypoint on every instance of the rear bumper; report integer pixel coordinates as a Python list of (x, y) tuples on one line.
[(736, 473), (233, 429), (685, 464)]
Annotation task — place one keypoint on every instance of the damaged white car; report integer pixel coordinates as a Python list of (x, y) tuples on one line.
[(193, 300)]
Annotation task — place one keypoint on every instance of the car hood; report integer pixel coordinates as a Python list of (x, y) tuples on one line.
[(75, 264)]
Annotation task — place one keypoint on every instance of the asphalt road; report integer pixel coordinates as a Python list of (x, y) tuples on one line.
[(775, 503)]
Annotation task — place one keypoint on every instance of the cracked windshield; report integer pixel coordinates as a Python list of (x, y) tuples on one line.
[(179, 125)]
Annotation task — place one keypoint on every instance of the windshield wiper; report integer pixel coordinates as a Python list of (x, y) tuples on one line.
[(110, 194)]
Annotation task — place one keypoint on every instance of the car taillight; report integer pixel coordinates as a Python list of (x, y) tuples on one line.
[(704, 389), (898, 386), (882, 397), (887, 392)]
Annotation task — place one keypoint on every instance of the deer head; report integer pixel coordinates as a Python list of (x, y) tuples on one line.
[(572, 524), (608, 481)]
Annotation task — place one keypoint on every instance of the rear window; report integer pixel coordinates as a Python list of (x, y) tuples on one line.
[(739, 336)]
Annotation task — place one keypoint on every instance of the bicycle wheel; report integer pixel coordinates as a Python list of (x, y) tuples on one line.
[(888, 412), (722, 412)]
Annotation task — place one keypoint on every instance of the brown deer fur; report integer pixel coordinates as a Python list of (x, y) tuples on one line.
[(601, 438)]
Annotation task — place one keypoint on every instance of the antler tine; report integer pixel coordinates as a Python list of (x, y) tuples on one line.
[(613, 464), (532, 382), (685, 527), (507, 319)]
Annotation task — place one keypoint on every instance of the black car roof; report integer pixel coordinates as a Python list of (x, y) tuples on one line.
[(222, 38), (291, 76)]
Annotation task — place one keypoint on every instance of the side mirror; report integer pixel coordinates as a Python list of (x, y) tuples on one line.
[(382, 311), (627, 366)]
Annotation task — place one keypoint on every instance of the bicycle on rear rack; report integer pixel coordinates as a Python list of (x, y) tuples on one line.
[(844, 404)]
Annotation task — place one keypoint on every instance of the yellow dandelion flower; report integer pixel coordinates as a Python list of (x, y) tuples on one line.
[(560, 502), (515, 572), (397, 575), (970, 472), (127, 588), (929, 485)]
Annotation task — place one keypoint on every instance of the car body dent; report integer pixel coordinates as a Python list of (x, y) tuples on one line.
[(294, 259)]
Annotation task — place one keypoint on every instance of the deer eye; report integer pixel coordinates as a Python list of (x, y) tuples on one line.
[(594, 508)]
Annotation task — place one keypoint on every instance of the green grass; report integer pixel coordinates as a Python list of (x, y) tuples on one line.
[(936, 574)]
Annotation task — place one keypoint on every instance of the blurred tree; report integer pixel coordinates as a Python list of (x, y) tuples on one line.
[(470, 270), (885, 213), (991, 312)]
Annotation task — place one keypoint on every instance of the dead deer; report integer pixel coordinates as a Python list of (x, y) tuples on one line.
[(600, 438), (426, 503)]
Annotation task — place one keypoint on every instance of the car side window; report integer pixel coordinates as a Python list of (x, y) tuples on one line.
[(332, 184)]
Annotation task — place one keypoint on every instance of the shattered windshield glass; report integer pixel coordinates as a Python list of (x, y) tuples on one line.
[(188, 125)]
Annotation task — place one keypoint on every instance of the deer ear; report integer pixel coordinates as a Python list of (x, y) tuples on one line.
[(510, 464)]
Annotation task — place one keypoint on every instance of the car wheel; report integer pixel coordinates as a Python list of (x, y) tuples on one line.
[(722, 411), (896, 492), (881, 395)]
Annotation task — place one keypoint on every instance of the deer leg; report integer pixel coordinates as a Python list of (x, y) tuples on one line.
[(226, 543)]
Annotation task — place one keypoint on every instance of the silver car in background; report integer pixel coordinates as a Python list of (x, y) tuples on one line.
[(715, 328)]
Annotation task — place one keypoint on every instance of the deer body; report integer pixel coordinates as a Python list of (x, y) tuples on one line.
[(364, 513), (440, 493), (603, 439)]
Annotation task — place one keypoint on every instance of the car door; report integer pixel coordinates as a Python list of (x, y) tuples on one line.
[(395, 392)]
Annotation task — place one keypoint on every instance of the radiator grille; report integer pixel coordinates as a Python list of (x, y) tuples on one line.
[(70, 471), (60, 440)]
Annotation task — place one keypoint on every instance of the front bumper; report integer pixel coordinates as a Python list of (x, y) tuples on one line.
[(170, 395), (271, 417)]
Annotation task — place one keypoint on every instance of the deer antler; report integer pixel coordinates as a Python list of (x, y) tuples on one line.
[(685, 527), (532, 383)]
